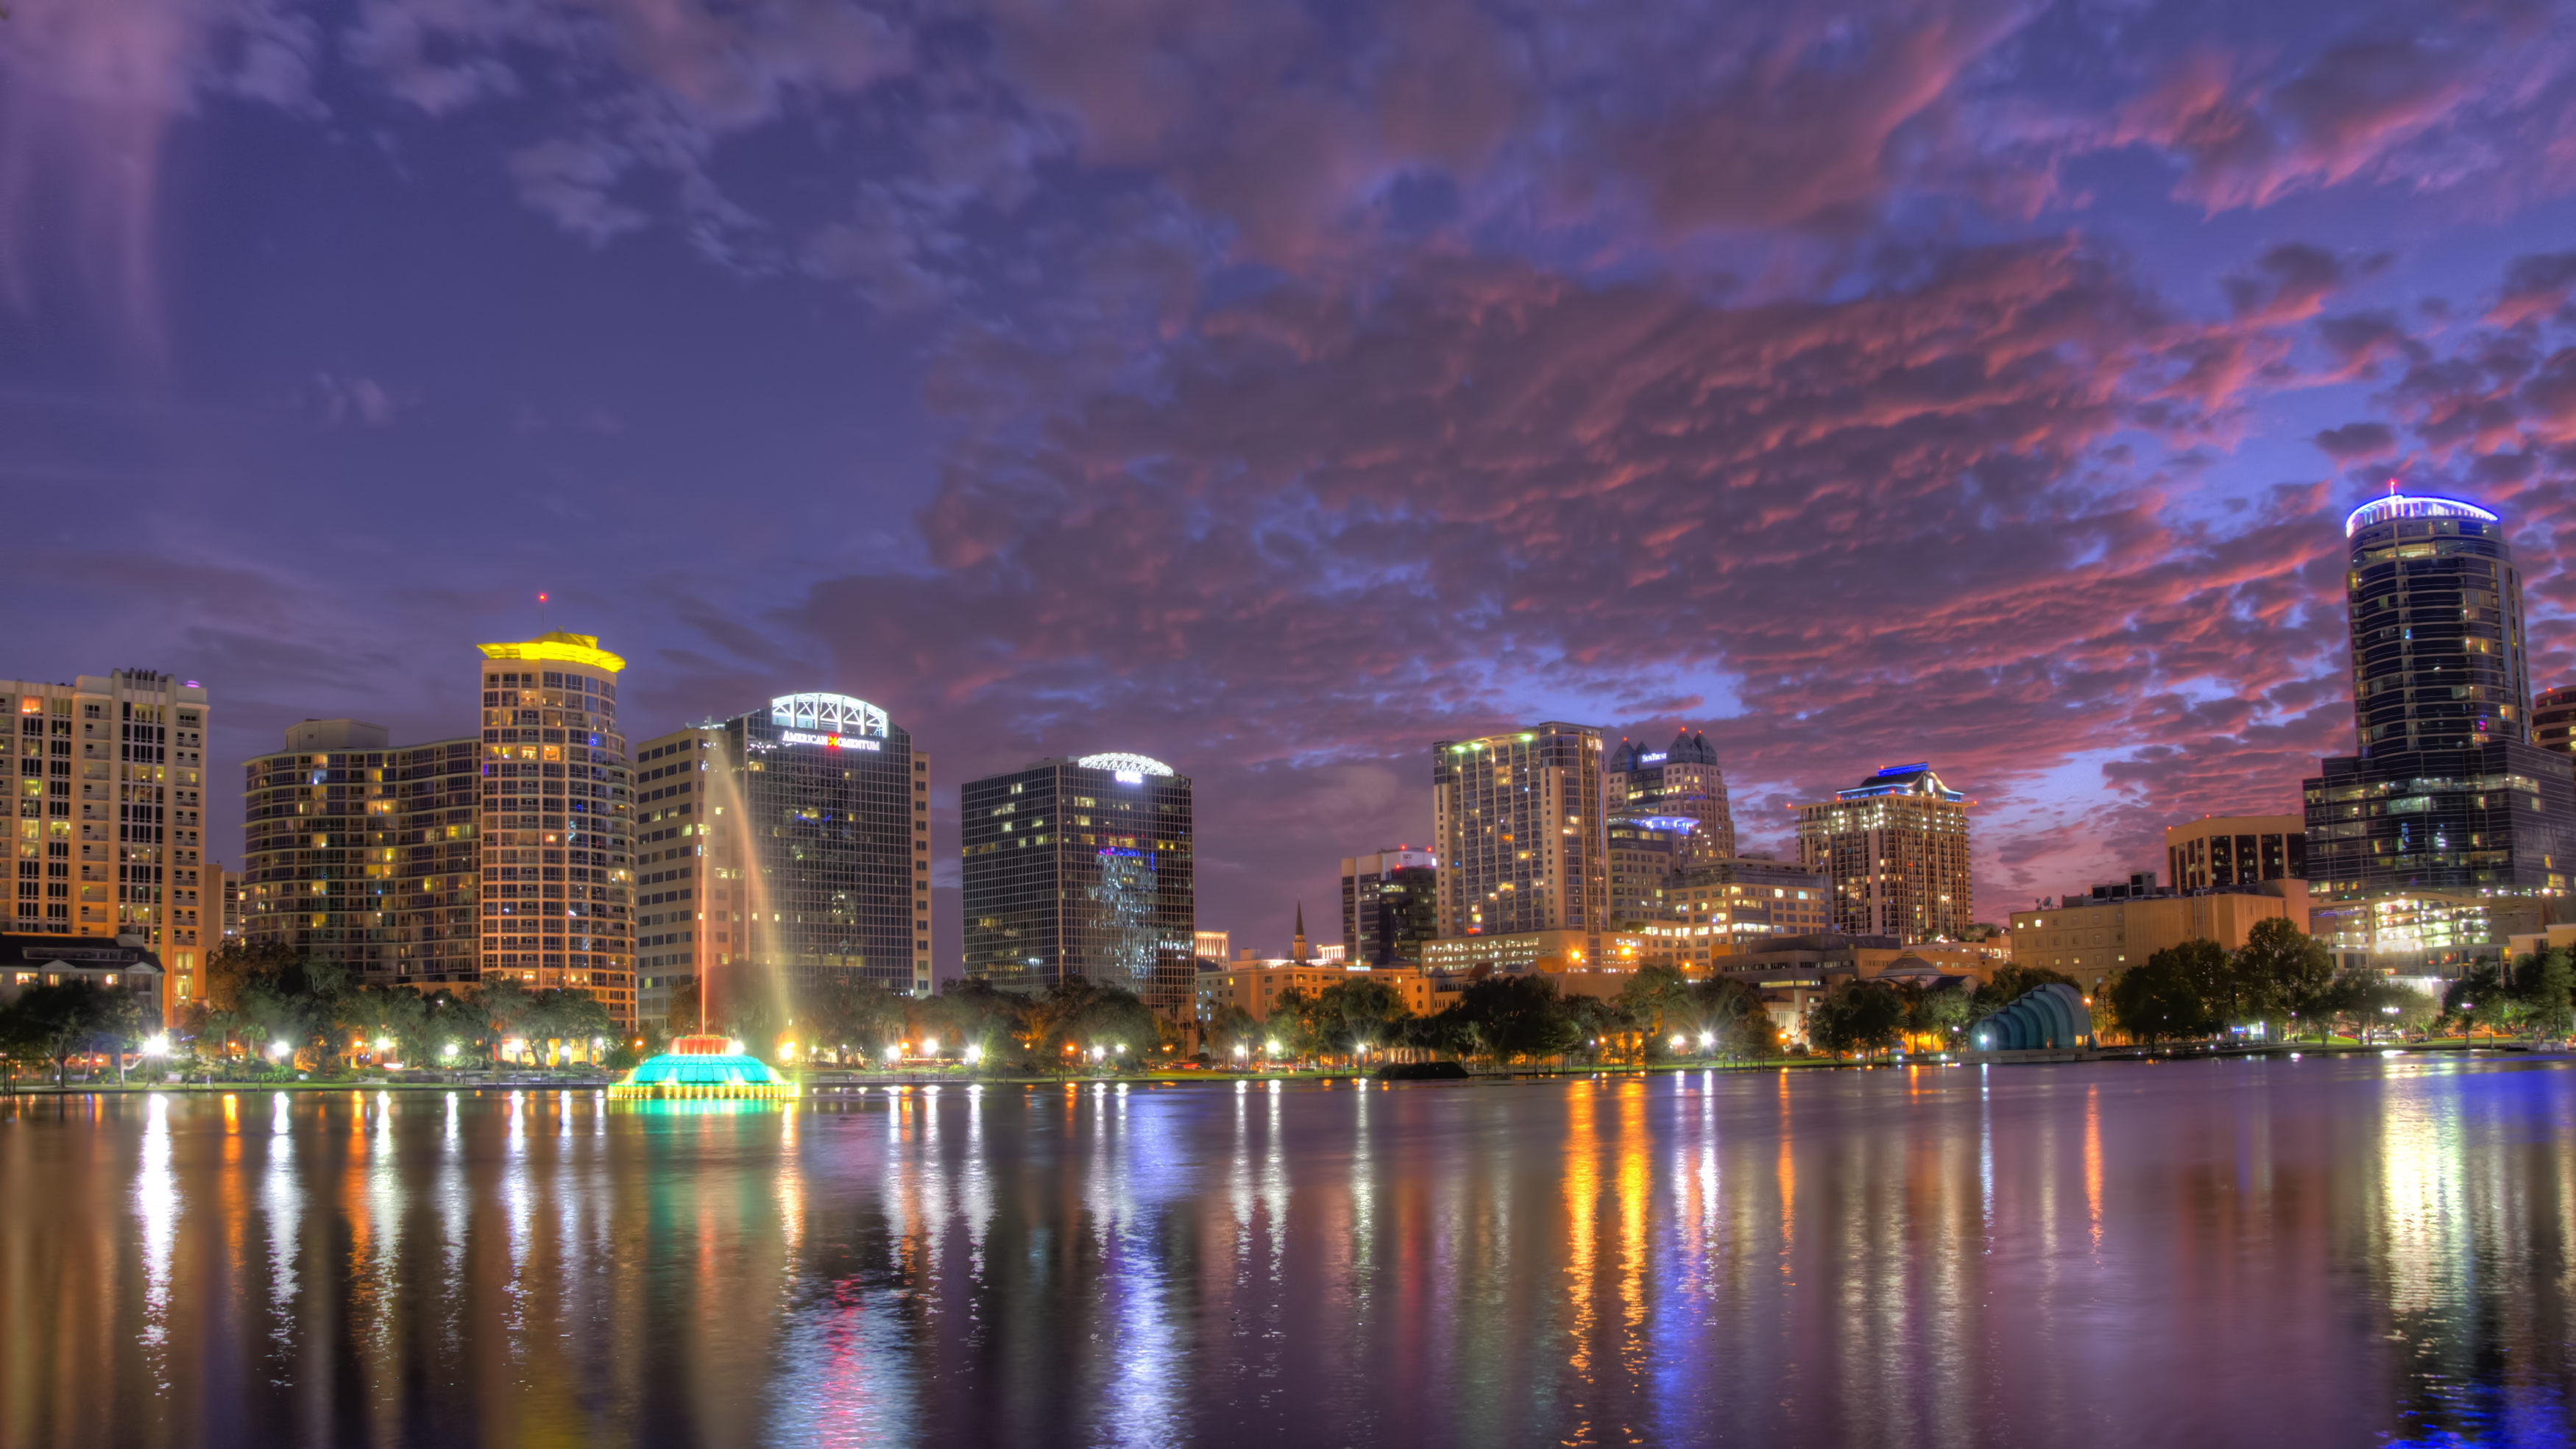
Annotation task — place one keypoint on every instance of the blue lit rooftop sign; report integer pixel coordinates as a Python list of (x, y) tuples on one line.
[(2406, 505)]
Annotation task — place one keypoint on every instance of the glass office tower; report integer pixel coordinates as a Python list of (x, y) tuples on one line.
[(1083, 867), (829, 865), (2447, 790)]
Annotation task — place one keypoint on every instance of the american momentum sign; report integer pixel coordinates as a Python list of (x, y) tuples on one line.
[(829, 742)]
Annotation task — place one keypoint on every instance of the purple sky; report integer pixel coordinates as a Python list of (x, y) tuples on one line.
[(1274, 388)]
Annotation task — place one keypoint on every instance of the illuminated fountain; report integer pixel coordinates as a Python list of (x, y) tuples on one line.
[(702, 1066)]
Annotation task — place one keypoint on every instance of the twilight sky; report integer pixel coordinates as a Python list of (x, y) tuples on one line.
[(1275, 388)]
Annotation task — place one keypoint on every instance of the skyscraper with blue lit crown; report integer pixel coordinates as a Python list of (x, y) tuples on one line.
[(2446, 790)]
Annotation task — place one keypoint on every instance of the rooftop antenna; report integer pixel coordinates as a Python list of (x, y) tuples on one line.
[(541, 599)]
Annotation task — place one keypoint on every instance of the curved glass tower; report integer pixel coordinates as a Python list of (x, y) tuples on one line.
[(2437, 643), (2446, 791)]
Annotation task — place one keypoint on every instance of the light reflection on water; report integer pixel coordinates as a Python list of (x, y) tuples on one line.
[(2203, 1252)]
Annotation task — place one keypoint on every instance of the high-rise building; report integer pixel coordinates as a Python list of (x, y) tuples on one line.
[(1680, 779), (230, 895), (1895, 848), (557, 898), (2447, 790), (1083, 867), (109, 829), (1644, 852), (1390, 905), (2553, 719), (790, 845), (362, 855), (1519, 833), (686, 926), (2226, 850)]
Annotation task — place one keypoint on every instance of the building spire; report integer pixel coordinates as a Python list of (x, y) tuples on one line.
[(1297, 951)]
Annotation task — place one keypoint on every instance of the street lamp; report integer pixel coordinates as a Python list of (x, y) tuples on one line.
[(279, 1049), (930, 1046), (1678, 1041), (974, 1053), (157, 1044), (1707, 1039), (448, 1051)]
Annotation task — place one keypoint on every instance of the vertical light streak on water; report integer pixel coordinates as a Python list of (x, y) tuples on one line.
[(1274, 1191), (2093, 1163), (1787, 1173), (976, 1193), (2422, 1199), (519, 1218), (1707, 1188), (452, 1207), (1582, 1211), (156, 1204), (1142, 1398), (281, 1204), (376, 1283), (1635, 1186), (791, 1186), (1363, 1236), (1986, 1155)]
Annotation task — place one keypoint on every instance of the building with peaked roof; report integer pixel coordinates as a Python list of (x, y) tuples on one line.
[(1895, 851), (106, 963), (1682, 779)]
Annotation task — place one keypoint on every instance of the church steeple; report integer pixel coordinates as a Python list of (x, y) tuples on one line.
[(1297, 952)]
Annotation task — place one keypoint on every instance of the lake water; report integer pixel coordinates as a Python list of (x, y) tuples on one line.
[(2321, 1251)]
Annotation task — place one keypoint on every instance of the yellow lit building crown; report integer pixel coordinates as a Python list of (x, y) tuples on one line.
[(558, 645)]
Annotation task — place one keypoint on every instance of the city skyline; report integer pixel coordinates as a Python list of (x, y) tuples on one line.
[(1279, 420)]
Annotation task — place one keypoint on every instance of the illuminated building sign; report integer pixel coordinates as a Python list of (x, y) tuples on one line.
[(1129, 769), (829, 742), (2401, 505), (1656, 758), (826, 714)]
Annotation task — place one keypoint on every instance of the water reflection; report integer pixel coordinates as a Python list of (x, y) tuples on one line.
[(2202, 1252)]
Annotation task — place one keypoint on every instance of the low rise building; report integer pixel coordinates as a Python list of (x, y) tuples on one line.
[(2093, 936), (1257, 985), (1509, 952), (116, 963), (1721, 908), (2226, 850), (2436, 933)]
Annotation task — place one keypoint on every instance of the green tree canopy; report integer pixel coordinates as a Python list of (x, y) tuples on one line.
[(2164, 998), (1516, 1017), (2282, 973), (1857, 1015)]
